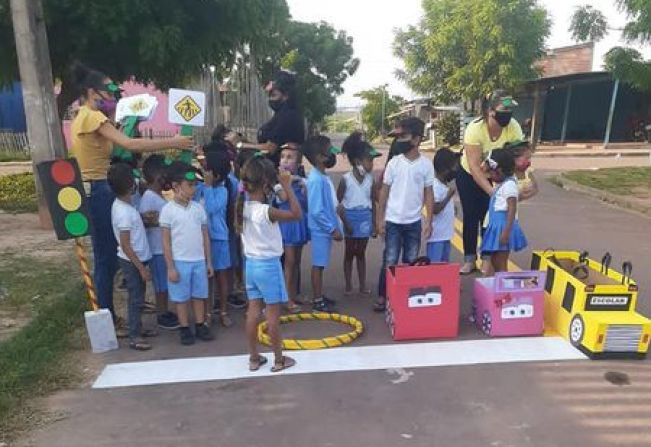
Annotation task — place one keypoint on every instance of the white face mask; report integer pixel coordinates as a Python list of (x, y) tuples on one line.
[(361, 170)]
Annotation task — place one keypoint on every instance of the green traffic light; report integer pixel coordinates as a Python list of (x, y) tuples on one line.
[(76, 224)]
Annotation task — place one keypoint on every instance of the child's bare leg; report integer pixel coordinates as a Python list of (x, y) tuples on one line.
[(182, 311), (500, 261), (290, 274), (252, 316), (361, 265), (222, 281), (317, 283), (297, 269), (199, 306), (348, 264), (273, 323)]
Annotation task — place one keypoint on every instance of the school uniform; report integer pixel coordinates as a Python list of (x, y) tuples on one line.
[(322, 218), (294, 233), (498, 213), (358, 206)]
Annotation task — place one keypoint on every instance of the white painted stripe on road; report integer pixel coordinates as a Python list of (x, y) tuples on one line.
[(399, 355)]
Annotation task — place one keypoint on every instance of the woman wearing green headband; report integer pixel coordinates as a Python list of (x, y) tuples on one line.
[(492, 130)]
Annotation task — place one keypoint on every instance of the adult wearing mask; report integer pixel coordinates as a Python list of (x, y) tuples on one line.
[(491, 131), (287, 124), (93, 136)]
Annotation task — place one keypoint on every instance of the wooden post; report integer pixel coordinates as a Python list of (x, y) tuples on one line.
[(611, 112), (43, 125), (566, 113)]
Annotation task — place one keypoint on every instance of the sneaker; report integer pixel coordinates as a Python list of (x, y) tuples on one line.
[(322, 306), (468, 267), (186, 336), (329, 301), (236, 302), (203, 332), (168, 321)]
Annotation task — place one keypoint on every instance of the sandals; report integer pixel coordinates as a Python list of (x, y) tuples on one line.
[(284, 363), (255, 365), (139, 345), (225, 320), (294, 308)]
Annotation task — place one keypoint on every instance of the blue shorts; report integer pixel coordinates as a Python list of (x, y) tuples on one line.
[(438, 251), (361, 221), (321, 248), (265, 280), (221, 254), (193, 282), (158, 269)]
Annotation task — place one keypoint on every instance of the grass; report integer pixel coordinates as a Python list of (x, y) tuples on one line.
[(13, 156), (622, 181), (18, 193), (35, 360)]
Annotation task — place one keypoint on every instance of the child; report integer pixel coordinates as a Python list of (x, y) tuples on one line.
[(257, 221), (446, 164), (522, 153), (133, 249), (503, 233), (151, 205), (186, 246), (295, 233), (219, 207), (356, 195), (322, 218), (406, 189)]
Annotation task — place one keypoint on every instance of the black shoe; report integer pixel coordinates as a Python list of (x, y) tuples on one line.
[(322, 306), (329, 301), (236, 302), (203, 332), (186, 335), (168, 321)]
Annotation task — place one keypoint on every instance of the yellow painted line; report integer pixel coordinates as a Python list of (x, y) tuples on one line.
[(457, 243)]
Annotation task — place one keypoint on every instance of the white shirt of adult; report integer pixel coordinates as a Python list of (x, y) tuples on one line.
[(185, 224), (125, 217), (443, 222), (505, 191), (357, 195), (261, 238), (153, 202), (407, 179)]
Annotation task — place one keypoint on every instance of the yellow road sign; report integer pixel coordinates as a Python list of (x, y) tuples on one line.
[(187, 108)]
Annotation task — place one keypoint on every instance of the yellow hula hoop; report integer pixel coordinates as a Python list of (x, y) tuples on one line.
[(323, 343)]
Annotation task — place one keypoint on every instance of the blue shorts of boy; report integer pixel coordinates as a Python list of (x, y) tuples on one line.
[(193, 282), (158, 269), (221, 254), (321, 248), (439, 251), (265, 280)]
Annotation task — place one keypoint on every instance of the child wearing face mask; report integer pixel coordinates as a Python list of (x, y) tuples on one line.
[(446, 165), (322, 217), (295, 233), (356, 196)]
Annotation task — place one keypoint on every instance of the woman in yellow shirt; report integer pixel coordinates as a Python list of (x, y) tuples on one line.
[(491, 131), (93, 136)]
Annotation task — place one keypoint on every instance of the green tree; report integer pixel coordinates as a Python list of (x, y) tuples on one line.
[(163, 42), (449, 129), (625, 63), (372, 109), (463, 49), (322, 59)]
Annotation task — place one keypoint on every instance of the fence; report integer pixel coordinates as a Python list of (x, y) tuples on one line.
[(14, 143)]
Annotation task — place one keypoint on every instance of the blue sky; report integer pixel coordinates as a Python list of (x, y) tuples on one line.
[(371, 23)]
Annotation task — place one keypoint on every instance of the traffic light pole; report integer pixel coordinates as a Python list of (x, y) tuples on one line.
[(85, 272), (43, 125)]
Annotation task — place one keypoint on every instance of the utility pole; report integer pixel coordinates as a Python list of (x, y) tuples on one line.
[(43, 125)]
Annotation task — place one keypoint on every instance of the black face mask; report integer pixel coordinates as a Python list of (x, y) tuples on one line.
[(503, 118), (330, 161), (402, 147), (275, 104), (450, 176)]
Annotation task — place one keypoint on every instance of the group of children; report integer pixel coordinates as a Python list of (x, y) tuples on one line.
[(239, 217)]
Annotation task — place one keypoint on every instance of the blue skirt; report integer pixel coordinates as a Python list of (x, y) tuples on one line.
[(360, 219), (295, 233), (491, 240)]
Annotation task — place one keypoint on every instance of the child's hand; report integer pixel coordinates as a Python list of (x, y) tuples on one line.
[(337, 236), (145, 274), (211, 271), (504, 237), (348, 229), (381, 228), (173, 275), (427, 232), (285, 179)]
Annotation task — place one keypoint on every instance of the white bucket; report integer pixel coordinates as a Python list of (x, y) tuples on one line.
[(99, 324)]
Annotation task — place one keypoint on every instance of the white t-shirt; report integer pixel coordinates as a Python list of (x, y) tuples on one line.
[(261, 238), (124, 217), (505, 191), (357, 195), (443, 222), (153, 202), (407, 179), (186, 224)]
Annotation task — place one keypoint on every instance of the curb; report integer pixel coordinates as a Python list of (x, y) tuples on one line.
[(15, 164), (542, 154), (604, 196)]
